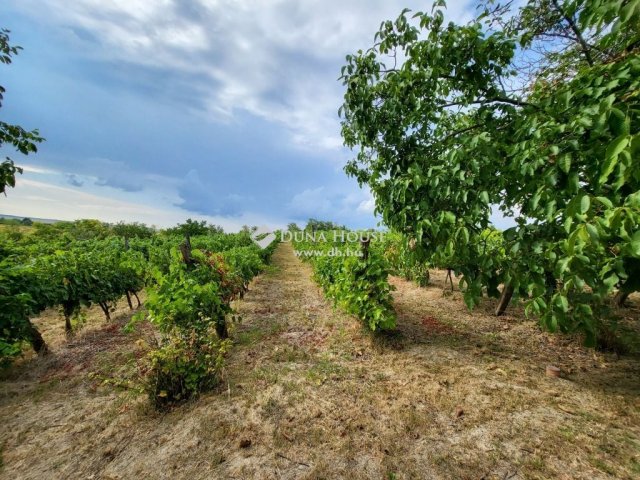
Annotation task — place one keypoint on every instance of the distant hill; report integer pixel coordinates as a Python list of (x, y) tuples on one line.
[(34, 219)]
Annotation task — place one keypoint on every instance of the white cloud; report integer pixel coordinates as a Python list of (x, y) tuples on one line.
[(367, 206), (59, 195), (311, 203), (499, 220), (45, 200), (332, 204), (34, 169), (276, 59)]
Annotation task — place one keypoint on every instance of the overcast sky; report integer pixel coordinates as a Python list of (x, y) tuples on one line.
[(159, 110)]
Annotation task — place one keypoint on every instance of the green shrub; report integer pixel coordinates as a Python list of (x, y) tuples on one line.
[(189, 303), (362, 289), (181, 368), (357, 284)]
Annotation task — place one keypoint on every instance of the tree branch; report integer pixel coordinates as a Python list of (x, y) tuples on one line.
[(497, 99), (458, 132), (576, 30)]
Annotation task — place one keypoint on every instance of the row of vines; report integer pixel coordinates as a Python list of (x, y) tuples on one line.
[(354, 275), (190, 282)]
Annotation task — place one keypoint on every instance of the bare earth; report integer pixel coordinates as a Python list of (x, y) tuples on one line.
[(308, 394)]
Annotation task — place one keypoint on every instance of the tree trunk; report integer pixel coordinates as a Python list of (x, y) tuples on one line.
[(68, 308), (221, 330), (626, 288), (505, 298), (105, 308), (129, 300), (450, 277), (551, 283), (621, 298), (67, 323), (36, 340), (185, 249), (365, 248), (136, 295)]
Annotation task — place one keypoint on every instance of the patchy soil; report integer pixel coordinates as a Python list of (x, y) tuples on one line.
[(308, 394)]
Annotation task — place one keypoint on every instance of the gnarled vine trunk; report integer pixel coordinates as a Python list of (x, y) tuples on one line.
[(105, 308), (449, 277), (36, 340), (621, 298), (221, 330), (68, 309)]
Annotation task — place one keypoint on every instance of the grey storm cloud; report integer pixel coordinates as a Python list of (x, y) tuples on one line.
[(73, 180), (275, 60), (121, 183), (201, 198), (216, 107)]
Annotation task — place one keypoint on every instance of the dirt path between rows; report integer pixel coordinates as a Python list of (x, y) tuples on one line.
[(308, 394)]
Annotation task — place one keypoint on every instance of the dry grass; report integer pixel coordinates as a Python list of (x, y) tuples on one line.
[(452, 394)]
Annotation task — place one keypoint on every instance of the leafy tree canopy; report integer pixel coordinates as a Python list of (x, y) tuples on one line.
[(533, 111), (133, 230), (319, 225), (193, 228), (22, 140)]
